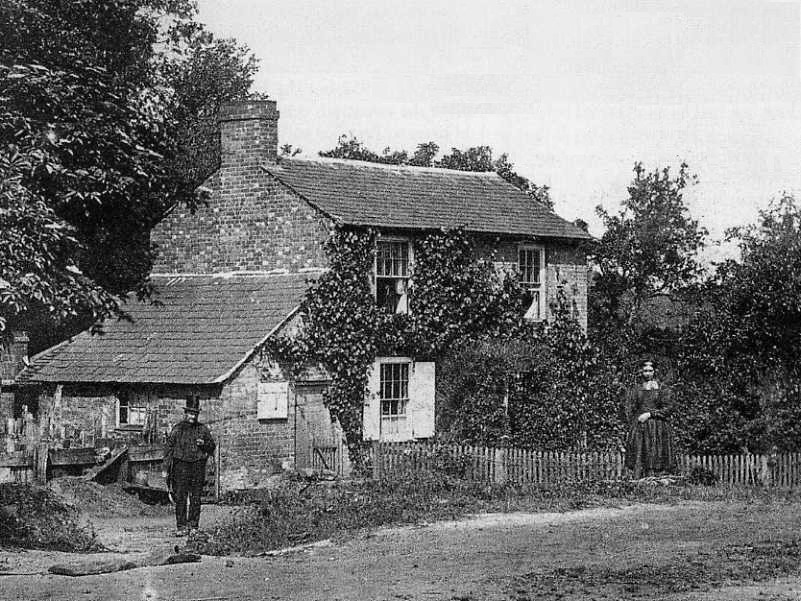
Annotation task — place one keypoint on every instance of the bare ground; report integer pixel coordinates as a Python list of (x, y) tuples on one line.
[(633, 552)]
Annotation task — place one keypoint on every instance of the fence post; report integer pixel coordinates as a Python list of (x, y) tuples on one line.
[(41, 458), (500, 465)]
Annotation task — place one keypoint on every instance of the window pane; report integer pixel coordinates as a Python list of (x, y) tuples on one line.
[(392, 259), (529, 260), (394, 385)]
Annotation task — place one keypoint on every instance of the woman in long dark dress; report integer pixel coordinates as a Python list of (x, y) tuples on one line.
[(649, 448)]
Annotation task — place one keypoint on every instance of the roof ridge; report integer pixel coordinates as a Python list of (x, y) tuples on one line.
[(247, 274), (387, 166)]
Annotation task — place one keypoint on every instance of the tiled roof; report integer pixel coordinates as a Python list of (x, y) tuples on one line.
[(199, 331), (371, 194)]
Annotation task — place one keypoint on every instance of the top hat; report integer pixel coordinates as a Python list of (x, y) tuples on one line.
[(192, 405)]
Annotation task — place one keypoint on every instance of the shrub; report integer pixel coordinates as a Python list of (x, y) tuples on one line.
[(702, 476)]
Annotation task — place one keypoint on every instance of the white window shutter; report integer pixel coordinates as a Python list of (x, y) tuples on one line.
[(371, 417), (421, 398), (272, 400)]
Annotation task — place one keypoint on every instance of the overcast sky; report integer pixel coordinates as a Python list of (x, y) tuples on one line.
[(574, 91)]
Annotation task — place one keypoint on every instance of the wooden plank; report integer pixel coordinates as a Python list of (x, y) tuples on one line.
[(81, 456), (18, 460), (549, 467), (745, 471), (109, 469), (785, 466), (146, 453)]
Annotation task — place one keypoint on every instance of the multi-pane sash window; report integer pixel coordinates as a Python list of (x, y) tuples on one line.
[(392, 275), (531, 267), (132, 412), (394, 393)]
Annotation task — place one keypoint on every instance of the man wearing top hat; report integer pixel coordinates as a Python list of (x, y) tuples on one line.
[(188, 446)]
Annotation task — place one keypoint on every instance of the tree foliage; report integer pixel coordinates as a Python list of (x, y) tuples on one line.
[(760, 295), (733, 365), (101, 102), (650, 247), (739, 358), (38, 252), (541, 388)]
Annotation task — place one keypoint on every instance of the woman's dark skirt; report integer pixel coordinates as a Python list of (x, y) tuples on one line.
[(650, 449)]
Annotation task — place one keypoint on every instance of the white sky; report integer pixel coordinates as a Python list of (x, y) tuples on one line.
[(574, 91)]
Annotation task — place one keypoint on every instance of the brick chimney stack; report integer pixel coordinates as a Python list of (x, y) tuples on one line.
[(13, 354), (249, 133)]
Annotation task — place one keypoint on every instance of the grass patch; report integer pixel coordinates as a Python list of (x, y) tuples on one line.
[(33, 517), (295, 512)]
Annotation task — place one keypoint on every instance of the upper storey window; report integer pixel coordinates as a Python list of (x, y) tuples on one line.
[(531, 267), (392, 268)]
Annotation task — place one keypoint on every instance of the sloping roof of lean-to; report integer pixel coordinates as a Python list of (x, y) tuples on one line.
[(197, 332), (391, 196)]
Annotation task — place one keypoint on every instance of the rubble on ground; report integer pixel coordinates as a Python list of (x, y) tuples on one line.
[(99, 501)]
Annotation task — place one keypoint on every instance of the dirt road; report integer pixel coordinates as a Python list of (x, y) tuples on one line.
[(498, 557)]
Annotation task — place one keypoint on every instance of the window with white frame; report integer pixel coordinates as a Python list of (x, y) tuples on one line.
[(531, 269), (394, 397), (131, 410), (392, 268)]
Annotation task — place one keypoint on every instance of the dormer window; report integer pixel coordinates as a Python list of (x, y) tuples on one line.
[(392, 268), (531, 269)]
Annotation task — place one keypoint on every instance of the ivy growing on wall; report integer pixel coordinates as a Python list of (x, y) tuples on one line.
[(456, 301)]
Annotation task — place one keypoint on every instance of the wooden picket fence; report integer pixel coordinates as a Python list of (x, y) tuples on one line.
[(523, 466)]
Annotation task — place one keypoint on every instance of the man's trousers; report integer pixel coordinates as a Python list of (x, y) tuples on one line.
[(187, 483)]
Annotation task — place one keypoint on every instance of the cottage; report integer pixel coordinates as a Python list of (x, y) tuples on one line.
[(232, 274)]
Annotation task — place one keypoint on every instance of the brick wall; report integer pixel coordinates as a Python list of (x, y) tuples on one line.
[(6, 405), (251, 222), (248, 135), (13, 352), (247, 226), (251, 450)]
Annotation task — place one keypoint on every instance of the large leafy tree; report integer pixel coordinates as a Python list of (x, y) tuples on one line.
[(105, 106), (759, 296), (476, 158), (650, 247), (739, 359)]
